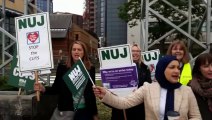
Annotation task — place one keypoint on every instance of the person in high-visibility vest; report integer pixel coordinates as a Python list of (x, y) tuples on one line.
[(179, 49)]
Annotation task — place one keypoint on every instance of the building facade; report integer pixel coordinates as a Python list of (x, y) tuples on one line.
[(65, 30), (89, 16), (14, 5), (116, 29), (109, 26), (44, 6), (134, 34), (100, 21), (12, 9), (78, 20)]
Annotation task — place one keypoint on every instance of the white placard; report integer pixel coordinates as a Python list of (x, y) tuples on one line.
[(34, 42), (115, 56), (151, 58)]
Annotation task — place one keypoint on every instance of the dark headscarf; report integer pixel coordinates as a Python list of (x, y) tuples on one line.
[(164, 83), (159, 73)]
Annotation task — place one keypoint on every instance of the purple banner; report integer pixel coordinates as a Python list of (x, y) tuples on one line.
[(123, 77)]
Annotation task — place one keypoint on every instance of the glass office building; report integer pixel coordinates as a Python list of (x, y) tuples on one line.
[(109, 25), (42, 4)]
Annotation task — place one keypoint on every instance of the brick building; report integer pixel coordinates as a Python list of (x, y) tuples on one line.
[(64, 32)]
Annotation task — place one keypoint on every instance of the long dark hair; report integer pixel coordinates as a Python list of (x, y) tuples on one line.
[(201, 60), (85, 58)]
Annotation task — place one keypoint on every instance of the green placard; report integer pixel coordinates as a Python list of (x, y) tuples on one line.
[(17, 79), (76, 77)]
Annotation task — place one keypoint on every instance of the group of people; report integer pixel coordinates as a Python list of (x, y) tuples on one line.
[(178, 88)]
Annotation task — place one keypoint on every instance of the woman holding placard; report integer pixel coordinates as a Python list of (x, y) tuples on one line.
[(86, 104), (160, 97), (137, 112)]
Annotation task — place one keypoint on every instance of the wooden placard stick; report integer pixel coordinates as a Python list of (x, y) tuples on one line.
[(36, 81), (125, 116), (19, 91)]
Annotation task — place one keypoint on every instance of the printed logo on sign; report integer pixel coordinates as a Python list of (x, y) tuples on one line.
[(133, 83), (33, 38), (22, 82), (152, 67), (77, 77)]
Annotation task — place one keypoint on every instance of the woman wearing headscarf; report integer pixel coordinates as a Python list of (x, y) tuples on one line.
[(201, 84), (144, 75), (167, 94)]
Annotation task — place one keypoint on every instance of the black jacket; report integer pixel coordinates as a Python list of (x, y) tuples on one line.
[(137, 112), (203, 107), (65, 100)]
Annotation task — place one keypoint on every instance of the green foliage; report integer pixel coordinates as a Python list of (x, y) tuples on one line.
[(104, 112), (99, 82), (131, 13), (4, 86), (131, 10), (3, 80)]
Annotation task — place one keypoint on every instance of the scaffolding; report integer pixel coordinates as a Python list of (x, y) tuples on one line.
[(29, 8), (146, 43)]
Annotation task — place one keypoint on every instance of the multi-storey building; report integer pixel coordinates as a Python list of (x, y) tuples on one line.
[(9, 10), (89, 16), (44, 6), (13, 8), (109, 27)]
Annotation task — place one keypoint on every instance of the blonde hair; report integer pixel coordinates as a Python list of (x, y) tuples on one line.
[(176, 42), (85, 58), (136, 45)]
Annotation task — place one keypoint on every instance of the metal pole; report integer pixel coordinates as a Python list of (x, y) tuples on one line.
[(208, 24), (25, 7), (48, 75), (189, 21), (48, 10), (146, 26), (3, 36), (141, 28)]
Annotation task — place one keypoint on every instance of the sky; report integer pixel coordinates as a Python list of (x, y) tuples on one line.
[(71, 6)]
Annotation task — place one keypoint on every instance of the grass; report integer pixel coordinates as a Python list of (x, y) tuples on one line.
[(104, 112)]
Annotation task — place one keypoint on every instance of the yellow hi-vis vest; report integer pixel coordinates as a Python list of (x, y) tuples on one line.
[(185, 76)]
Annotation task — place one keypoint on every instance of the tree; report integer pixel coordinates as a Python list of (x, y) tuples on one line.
[(130, 12)]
